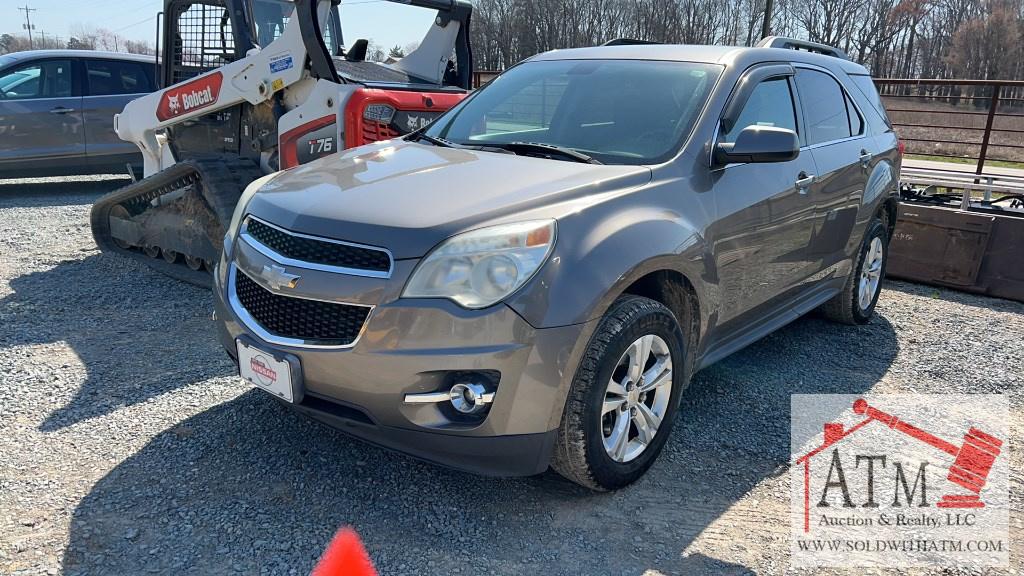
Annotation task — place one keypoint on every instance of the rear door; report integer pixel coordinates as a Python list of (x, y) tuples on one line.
[(764, 214), (844, 153), (40, 118), (108, 86)]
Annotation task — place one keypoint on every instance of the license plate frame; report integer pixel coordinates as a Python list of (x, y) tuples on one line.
[(273, 371)]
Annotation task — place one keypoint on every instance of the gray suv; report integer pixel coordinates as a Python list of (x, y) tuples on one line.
[(57, 111), (532, 280)]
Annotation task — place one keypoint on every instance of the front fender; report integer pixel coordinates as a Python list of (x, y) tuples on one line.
[(598, 256)]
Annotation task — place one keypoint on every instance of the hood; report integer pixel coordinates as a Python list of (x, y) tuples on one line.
[(408, 197)]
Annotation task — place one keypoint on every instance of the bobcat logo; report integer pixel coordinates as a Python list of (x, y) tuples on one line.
[(416, 122), (173, 105)]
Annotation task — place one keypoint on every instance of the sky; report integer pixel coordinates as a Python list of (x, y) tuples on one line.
[(395, 24)]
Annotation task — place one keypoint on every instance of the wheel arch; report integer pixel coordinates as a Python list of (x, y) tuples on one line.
[(887, 213), (661, 279), (676, 292), (642, 251)]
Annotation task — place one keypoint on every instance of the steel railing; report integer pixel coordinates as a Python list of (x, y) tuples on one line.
[(929, 116)]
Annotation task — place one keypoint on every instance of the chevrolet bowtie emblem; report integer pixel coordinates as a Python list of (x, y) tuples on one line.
[(277, 277)]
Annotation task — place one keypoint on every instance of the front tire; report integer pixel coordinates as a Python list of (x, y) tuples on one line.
[(855, 304), (624, 397)]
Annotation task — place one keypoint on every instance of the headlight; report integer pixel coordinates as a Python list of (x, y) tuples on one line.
[(482, 267)]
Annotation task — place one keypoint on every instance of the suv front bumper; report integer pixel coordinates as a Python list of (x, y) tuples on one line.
[(414, 347)]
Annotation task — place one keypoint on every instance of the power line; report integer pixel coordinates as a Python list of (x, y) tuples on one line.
[(28, 23), (135, 24)]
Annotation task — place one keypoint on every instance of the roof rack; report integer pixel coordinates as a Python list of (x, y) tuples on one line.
[(627, 42), (805, 45)]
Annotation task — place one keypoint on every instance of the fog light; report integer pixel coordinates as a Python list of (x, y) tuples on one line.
[(469, 397)]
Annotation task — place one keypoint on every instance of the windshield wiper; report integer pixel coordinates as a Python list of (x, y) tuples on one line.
[(537, 147), (422, 135)]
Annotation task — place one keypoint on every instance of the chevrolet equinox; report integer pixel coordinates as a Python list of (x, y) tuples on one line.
[(532, 279)]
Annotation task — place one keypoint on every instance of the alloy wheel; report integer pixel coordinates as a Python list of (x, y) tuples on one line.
[(637, 398), (870, 273)]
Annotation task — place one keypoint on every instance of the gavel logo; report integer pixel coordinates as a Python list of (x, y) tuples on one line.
[(973, 459)]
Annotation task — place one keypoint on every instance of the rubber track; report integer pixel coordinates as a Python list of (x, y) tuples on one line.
[(222, 181)]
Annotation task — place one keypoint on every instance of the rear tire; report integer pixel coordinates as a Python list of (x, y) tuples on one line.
[(855, 304), (612, 395)]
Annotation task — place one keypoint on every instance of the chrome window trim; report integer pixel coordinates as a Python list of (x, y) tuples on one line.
[(282, 259), (250, 323)]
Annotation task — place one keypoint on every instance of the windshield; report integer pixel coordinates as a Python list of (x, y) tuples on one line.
[(616, 111), (13, 80), (271, 16)]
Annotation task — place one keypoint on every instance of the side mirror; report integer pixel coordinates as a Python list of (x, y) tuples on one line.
[(759, 144)]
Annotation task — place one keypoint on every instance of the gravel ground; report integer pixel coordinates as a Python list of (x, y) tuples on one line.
[(129, 447)]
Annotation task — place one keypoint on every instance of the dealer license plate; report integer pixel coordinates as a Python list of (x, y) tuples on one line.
[(263, 370)]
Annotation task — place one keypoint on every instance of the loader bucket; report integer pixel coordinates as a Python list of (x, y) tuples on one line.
[(976, 251)]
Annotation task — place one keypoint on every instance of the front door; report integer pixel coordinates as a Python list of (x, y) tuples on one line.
[(41, 126), (109, 86), (764, 215)]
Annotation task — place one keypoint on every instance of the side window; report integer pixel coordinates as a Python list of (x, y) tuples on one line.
[(856, 122), (825, 106), (48, 79), (867, 87), (271, 16), (770, 104), (106, 77)]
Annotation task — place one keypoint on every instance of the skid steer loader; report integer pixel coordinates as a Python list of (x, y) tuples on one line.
[(253, 87)]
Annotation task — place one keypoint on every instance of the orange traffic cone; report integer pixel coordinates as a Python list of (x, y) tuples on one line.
[(345, 556)]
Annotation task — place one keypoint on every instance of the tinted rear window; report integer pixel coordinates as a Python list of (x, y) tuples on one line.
[(867, 87), (107, 77), (824, 105)]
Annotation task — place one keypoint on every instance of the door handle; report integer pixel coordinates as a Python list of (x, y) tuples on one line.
[(61, 110), (865, 158), (803, 180)]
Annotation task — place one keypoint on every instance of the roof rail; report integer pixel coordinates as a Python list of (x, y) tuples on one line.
[(627, 42), (805, 45)]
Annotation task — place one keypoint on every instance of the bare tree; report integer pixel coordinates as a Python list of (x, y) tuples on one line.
[(911, 38)]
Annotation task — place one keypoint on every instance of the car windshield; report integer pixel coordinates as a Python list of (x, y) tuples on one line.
[(615, 111), (12, 80)]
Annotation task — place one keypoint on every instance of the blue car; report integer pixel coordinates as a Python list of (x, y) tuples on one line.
[(57, 111)]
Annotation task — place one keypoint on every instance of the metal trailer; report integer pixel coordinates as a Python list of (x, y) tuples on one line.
[(960, 230)]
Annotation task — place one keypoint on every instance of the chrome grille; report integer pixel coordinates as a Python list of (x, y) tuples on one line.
[(303, 250), (307, 321)]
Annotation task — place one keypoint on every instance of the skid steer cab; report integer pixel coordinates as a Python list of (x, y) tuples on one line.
[(251, 87), (262, 79)]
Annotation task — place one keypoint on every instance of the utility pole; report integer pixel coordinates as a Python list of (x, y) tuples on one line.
[(28, 23), (766, 26)]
